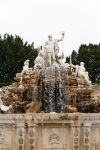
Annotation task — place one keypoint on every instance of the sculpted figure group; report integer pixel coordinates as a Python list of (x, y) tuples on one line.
[(49, 54)]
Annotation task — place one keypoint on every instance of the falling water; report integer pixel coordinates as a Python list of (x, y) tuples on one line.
[(53, 89), (61, 94)]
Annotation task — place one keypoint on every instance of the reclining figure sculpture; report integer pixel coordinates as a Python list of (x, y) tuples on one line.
[(81, 72)]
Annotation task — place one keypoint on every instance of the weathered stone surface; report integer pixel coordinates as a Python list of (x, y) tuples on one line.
[(50, 131), (33, 107), (70, 109)]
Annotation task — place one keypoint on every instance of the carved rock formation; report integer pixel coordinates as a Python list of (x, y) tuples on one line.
[(50, 89)]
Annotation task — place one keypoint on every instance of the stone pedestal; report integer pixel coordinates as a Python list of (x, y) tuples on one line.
[(50, 132)]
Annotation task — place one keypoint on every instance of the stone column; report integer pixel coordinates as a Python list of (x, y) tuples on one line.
[(84, 139), (20, 129), (32, 133), (87, 136), (21, 139), (76, 136), (32, 138)]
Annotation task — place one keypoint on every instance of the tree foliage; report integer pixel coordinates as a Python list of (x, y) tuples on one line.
[(13, 53), (90, 55)]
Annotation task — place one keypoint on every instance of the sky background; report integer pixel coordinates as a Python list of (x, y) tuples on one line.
[(33, 20)]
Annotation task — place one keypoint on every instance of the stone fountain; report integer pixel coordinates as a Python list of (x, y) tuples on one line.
[(53, 106)]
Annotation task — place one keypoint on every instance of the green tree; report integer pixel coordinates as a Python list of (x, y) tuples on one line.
[(90, 55), (13, 53), (74, 58)]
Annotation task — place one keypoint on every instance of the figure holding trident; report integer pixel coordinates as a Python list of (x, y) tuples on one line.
[(51, 48)]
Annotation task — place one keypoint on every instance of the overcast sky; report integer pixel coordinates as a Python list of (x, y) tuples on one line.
[(33, 20)]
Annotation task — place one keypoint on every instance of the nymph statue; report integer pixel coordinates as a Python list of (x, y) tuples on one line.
[(39, 61), (26, 66), (82, 73), (60, 58)]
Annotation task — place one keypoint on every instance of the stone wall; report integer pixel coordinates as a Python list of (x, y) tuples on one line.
[(46, 131)]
